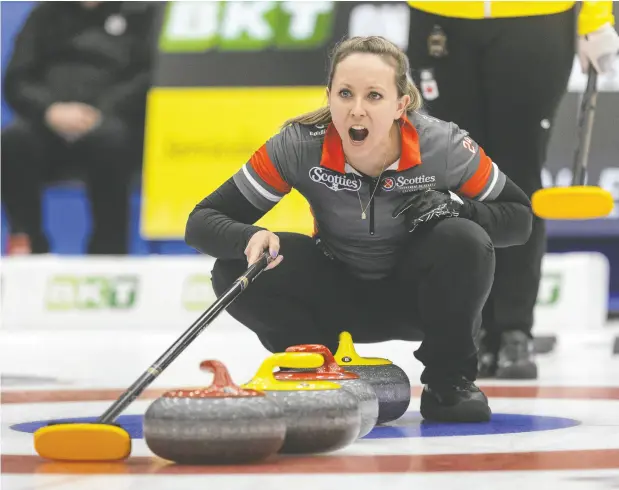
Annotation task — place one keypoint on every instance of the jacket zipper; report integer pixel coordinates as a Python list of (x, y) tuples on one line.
[(372, 217), (374, 187)]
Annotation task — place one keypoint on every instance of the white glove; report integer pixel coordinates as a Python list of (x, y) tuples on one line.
[(599, 48)]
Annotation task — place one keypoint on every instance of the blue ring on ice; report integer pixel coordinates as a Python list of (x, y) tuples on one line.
[(412, 424), (409, 425)]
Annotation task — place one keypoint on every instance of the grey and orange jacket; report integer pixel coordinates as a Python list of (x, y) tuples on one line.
[(435, 155)]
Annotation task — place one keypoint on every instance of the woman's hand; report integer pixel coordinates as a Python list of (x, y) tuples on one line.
[(428, 205), (258, 243)]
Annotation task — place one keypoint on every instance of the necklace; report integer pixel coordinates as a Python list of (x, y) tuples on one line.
[(363, 210)]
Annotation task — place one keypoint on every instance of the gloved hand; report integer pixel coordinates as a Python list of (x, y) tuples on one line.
[(428, 205), (599, 48)]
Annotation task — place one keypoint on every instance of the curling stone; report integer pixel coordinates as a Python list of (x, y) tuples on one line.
[(331, 371), (389, 381), (221, 424), (320, 415)]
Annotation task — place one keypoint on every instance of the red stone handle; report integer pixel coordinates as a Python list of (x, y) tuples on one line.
[(330, 365), (221, 375), (222, 385)]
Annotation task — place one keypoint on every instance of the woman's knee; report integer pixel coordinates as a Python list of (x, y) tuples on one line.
[(298, 251), (302, 260), (462, 240), (224, 273)]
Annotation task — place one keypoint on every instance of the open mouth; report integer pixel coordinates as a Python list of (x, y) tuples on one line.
[(358, 133)]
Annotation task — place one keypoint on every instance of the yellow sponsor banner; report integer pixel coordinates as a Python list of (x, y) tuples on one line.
[(197, 138)]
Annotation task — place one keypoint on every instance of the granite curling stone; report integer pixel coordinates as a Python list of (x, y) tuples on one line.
[(221, 424), (320, 415), (389, 381), (331, 371)]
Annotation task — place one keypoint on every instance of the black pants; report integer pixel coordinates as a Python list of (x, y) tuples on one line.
[(436, 293), (502, 80), (106, 159)]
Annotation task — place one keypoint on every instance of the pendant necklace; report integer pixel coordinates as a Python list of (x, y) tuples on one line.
[(363, 210)]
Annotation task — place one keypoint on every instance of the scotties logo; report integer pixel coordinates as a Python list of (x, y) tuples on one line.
[(334, 180), (388, 184), (409, 184), (321, 130)]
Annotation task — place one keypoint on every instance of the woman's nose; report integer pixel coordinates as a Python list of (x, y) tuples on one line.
[(358, 108)]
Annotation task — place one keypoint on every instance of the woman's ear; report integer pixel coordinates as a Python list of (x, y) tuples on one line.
[(402, 105)]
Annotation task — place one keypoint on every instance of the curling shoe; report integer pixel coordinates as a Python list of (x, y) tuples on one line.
[(516, 357), (455, 399)]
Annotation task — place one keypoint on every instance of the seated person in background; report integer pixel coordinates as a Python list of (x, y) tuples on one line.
[(77, 82)]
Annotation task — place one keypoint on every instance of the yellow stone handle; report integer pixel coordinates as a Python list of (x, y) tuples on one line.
[(265, 381), (346, 354)]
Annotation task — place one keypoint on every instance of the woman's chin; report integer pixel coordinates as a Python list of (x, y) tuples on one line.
[(356, 147)]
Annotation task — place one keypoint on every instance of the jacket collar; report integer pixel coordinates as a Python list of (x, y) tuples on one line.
[(334, 159)]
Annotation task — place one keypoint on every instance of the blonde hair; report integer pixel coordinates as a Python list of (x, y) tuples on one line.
[(377, 45)]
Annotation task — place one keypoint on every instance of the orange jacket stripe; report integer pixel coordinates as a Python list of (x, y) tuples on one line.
[(476, 183), (264, 167)]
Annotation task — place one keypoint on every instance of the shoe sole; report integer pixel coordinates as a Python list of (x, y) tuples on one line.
[(468, 411)]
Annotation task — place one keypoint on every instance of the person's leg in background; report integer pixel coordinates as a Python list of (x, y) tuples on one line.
[(446, 66), (29, 152), (526, 69), (111, 155), (502, 80)]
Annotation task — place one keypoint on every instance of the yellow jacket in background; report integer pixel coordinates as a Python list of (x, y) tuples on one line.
[(591, 17)]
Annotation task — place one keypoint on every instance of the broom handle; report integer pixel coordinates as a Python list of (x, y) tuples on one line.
[(585, 128), (184, 340)]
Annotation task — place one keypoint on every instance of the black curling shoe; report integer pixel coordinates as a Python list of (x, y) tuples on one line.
[(454, 400)]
